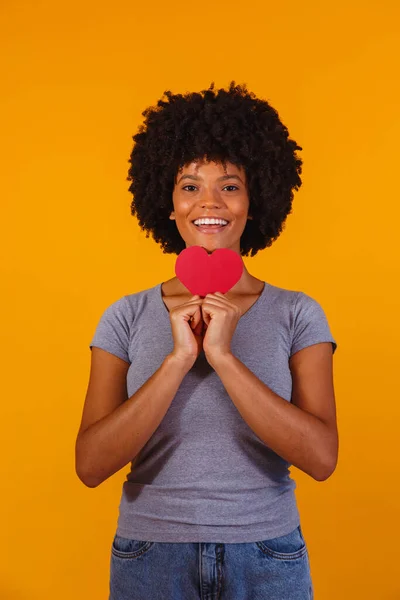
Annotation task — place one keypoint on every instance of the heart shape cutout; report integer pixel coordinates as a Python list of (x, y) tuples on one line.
[(204, 273)]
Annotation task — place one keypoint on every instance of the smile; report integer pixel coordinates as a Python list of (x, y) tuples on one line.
[(210, 228)]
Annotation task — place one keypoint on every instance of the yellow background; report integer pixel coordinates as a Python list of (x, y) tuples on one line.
[(76, 77)]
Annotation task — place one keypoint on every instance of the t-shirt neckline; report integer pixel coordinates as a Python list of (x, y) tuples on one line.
[(252, 308)]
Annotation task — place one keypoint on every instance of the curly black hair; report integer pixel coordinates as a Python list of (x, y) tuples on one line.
[(228, 126)]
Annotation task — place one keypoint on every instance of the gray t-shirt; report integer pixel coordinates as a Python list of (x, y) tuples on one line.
[(204, 475)]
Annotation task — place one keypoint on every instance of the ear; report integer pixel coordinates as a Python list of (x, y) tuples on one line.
[(172, 215)]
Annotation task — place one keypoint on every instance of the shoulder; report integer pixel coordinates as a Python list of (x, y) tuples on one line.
[(307, 306), (283, 297), (126, 307), (137, 297), (115, 326), (297, 300)]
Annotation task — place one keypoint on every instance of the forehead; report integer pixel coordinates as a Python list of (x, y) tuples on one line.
[(200, 168)]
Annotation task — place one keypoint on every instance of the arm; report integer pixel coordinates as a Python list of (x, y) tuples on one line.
[(303, 432), (115, 428)]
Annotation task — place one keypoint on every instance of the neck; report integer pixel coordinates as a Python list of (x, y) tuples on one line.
[(247, 284)]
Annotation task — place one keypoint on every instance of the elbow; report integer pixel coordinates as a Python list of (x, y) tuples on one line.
[(325, 470), (322, 475), (85, 476), (327, 459), (90, 482), (82, 469)]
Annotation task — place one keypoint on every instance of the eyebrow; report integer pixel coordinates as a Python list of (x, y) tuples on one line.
[(223, 178)]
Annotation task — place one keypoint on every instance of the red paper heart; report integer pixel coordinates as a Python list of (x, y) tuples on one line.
[(204, 273)]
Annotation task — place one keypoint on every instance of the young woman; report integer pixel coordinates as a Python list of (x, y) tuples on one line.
[(211, 399)]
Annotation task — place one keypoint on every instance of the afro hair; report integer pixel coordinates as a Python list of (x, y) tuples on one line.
[(228, 126)]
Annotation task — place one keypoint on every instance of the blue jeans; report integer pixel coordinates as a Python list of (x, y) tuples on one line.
[(274, 569)]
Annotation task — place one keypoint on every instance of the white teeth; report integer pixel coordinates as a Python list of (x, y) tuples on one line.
[(210, 222)]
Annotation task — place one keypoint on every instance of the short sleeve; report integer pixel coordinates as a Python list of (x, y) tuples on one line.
[(113, 328), (310, 325)]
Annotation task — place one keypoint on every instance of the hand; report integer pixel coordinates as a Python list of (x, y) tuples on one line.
[(187, 330), (221, 317)]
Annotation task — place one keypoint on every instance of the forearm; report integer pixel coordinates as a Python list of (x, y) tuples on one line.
[(114, 441), (294, 434)]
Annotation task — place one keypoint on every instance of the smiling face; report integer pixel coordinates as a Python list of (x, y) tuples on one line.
[(205, 189)]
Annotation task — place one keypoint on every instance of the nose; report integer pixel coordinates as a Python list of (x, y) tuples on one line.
[(211, 200)]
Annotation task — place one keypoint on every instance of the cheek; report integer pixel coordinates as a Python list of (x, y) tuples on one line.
[(181, 209), (242, 215)]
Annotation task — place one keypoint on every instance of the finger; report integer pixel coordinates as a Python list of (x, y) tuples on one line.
[(205, 314), (220, 301), (217, 298), (193, 302), (195, 318)]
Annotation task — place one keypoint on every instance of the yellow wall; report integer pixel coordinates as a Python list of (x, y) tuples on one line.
[(76, 78)]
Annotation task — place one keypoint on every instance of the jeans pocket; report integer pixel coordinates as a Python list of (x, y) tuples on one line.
[(285, 547), (127, 548)]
